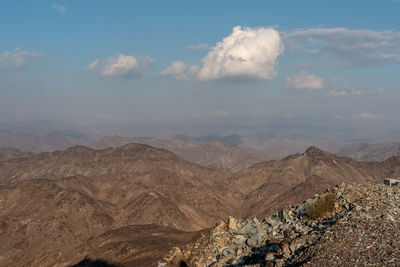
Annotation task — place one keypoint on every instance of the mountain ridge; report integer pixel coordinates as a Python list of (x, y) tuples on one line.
[(91, 192)]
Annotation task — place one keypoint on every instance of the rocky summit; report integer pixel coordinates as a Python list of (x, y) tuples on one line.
[(354, 224)]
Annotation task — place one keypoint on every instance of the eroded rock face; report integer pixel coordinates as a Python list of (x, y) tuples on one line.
[(362, 229)]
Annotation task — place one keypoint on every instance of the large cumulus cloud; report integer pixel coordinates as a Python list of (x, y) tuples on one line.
[(247, 53)]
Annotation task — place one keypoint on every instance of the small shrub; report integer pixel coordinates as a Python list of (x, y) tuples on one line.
[(321, 206)]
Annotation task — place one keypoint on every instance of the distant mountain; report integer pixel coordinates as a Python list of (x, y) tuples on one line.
[(369, 152), (212, 153), (7, 153), (40, 142), (233, 138)]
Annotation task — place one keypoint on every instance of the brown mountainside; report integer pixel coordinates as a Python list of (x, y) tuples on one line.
[(272, 184), (213, 153), (143, 181), (60, 206)]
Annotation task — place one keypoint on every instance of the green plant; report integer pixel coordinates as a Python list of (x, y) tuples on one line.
[(322, 205)]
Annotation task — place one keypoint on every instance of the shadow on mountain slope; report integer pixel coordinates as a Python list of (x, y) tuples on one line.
[(94, 263)]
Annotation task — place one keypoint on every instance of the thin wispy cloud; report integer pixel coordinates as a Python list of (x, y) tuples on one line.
[(304, 81), (92, 65), (17, 58), (368, 116), (125, 66), (247, 53), (60, 8), (342, 92), (351, 47), (197, 47)]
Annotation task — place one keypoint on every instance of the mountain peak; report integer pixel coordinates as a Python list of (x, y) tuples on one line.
[(183, 138), (315, 151)]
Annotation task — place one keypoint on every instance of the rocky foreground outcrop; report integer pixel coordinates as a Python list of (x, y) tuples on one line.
[(361, 229)]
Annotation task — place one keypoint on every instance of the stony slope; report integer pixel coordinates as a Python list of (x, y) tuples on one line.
[(361, 229)]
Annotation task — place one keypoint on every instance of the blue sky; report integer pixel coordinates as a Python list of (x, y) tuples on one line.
[(132, 62)]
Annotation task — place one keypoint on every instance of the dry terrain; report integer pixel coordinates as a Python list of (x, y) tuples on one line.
[(128, 205), (370, 152), (357, 224), (213, 153)]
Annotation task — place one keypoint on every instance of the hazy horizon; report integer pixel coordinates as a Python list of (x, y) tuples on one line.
[(224, 67)]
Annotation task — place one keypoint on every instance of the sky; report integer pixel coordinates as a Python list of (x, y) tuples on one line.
[(219, 61)]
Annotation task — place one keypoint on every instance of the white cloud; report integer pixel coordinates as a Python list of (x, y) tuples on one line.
[(352, 47), (105, 116), (304, 81), (60, 8), (337, 93), (367, 115), (92, 65), (247, 53), (181, 71), (222, 113), (146, 61), (17, 58), (120, 66), (197, 47)]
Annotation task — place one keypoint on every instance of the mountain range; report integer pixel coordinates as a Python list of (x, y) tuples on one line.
[(59, 207), (210, 153)]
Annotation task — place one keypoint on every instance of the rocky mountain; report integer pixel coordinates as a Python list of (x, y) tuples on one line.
[(211, 153), (357, 224), (273, 184), (118, 203), (53, 205), (369, 152), (40, 142), (7, 152), (141, 180)]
